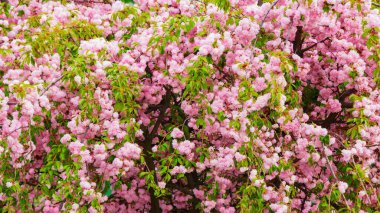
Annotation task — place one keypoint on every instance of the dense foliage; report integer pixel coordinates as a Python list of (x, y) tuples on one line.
[(193, 106)]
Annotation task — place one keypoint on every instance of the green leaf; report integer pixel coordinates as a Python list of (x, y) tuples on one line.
[(200, 122), (20, 13), (117, 185), (107, 189), (221, 116), (325, 139), (111, 158), (119, 106), (222, 4), (326, 8), (127, 1)]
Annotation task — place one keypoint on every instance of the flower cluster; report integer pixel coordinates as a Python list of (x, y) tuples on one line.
[(201, 106)]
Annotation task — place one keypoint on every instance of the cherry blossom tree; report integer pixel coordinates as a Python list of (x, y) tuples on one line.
[(190, 106)]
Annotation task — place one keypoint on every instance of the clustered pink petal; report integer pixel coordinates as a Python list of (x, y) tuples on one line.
[(200, 106)]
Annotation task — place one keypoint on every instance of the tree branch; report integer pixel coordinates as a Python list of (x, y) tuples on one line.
[(265, 17), (332, 118), (52, 84), (312, 46), (298, 41), (228, 77), (333, 173), (302, 187), (147, 149)]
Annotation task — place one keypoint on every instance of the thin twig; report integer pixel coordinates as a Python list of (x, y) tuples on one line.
[(62, 204), (373, 145), (16, 130), (265, 17), (310, 47), (52, 84), (340, 140), (333, 173)]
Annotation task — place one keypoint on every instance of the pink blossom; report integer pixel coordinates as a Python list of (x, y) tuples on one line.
[(281, 92), (161, 185), (177, 133), (342, 186), (75, 147)]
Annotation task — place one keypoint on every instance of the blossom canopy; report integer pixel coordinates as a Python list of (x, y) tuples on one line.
[(190, 106)]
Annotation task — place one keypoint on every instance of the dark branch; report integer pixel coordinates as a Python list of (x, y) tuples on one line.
[(298, 41), (333, 117), (52, 84), (147, 148), (265, 17), (312, 46), (303, 188)]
